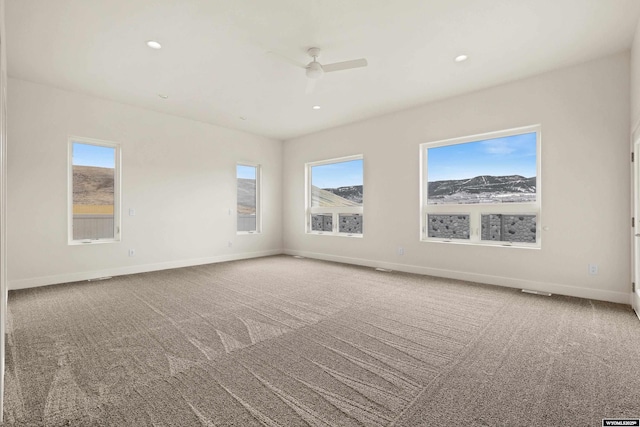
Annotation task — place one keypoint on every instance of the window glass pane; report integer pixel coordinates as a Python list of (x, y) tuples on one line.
[(448, 226), (498, 170), (247, 197), (350, 223), (322, 222), (93, 191), (337, 184), (509, 228)]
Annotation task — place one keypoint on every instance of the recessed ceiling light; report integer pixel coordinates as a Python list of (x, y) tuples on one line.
[(461, 58), (316, 107), (163, 96), (154, 44)]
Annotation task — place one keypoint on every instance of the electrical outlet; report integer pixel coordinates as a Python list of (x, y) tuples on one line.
[(593, 269), (230, 243), (132, 252), (400, 250), (132, 212)]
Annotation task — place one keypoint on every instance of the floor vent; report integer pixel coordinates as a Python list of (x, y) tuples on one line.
[(385, 270), (99, 278), (529, 291)]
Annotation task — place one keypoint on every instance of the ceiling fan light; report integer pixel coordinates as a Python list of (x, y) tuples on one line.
[(314, 70)]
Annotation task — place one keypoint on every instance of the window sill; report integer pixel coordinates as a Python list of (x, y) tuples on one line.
[(92, 242), (485, 244), (247, 233), (320, 233)]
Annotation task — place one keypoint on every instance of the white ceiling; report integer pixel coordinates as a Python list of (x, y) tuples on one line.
[(215, 67)]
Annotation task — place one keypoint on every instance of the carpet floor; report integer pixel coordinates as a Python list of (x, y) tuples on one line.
[(280, 341)]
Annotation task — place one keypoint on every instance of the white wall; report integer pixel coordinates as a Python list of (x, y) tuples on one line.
[(584, 113), (3, 198), (635, 127), (635, 79), (178, 174)]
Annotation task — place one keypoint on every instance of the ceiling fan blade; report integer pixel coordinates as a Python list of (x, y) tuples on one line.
[(346, 65), (286, 59), (311, 84)]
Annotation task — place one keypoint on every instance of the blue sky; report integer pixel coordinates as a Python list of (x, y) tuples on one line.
[(336, 175), (512, 155), (247, 172), (93, 155)]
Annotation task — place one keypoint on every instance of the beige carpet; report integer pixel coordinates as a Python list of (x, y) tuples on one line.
[(280, 341)]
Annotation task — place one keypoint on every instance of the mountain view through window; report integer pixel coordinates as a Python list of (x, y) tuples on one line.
[(499, 170)]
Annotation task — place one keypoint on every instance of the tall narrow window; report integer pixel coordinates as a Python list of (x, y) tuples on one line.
[(94, 193), (335, 196), (483, 189), (248, 180)]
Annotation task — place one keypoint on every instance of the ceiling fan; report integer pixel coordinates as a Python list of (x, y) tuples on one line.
[(315, 70)]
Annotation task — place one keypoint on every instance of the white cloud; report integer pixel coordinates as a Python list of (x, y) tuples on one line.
[(498, 146)]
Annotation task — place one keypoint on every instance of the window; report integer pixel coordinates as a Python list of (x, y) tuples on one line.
[(248, 208), (94, 193), (483, 189), (335, 197)]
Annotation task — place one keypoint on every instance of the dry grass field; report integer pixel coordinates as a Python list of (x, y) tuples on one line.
[(93, 209), (93, 190)]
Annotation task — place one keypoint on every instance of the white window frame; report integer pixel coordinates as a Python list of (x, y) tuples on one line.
[(116, 190), (334, 211), (258, 167), (475, 211)]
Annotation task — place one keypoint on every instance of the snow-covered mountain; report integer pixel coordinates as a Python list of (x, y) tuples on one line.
[(510, 188), (352, 193)]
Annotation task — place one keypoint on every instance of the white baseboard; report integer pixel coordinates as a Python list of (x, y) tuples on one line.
[(554, 288), (144, 268)]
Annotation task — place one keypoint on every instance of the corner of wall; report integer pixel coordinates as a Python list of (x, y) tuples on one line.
[(3, 195), (635, 80)]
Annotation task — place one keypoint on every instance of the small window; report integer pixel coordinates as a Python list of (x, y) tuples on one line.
[(94, 191), (335, 193), (248, 204), (350, 223), (509, 228), (448, 226), (483, 189), (322, 222)]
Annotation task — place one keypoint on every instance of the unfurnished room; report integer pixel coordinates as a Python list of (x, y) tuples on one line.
[(319, 213)]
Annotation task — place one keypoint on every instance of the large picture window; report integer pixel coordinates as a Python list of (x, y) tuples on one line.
[(248, 204), (483, 189), (94, 192), (335, 197)]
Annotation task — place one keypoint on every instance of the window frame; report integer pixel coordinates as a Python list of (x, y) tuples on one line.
[(258, 168), (475, 211), (117, 190), (334, 211)]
